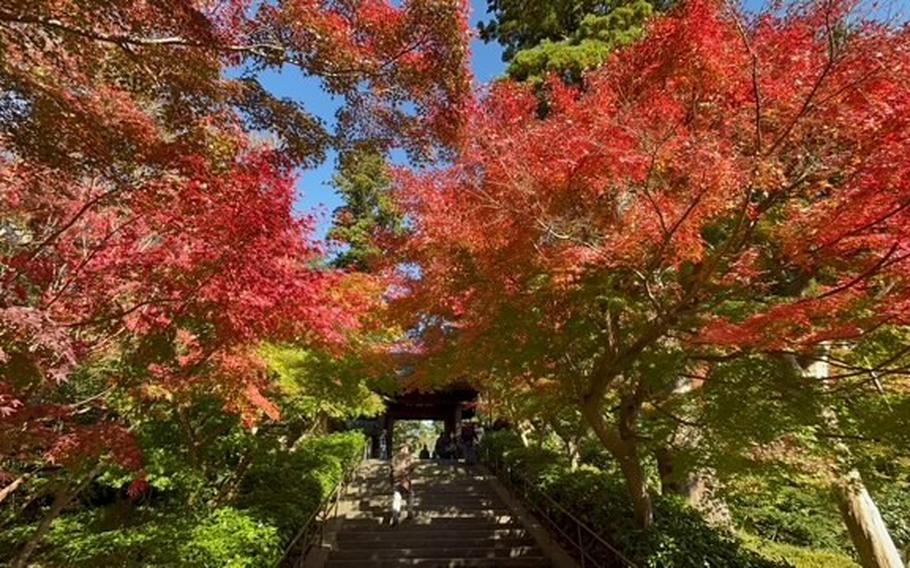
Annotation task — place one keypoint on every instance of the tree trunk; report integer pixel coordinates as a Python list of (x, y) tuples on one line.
[(637, 485), (63, 498), (859, 513), (8, 490), (229, 489), (671, 482), (625, 451), (698, 487), (865, 524)]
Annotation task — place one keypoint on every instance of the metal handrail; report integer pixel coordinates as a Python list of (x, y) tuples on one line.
[(305, 539), (585, 540)]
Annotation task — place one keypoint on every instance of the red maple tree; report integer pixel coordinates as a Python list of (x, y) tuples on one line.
[(145, 222), (725, 186)]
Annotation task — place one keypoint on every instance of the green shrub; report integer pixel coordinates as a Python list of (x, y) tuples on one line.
[(798, 556), (85, 540), (288, 488), (593, 453), (680, 537), (233, 539), (279, 494), (224, 537), (788, 512), (894, 502)]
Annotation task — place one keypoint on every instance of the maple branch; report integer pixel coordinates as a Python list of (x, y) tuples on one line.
[(658, 308), (675, 418), (8, 489), (647, 186), (265, 50), (668, 237), (123, 41), (807, 103), (874, 377), (862, 228), (47, 241), (756, 89), (85, 261), (881, 263), (847, 437), (91, 399), (121, 313)]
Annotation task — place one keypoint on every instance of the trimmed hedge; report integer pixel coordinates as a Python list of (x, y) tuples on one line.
[(680, 537), (278, 495)]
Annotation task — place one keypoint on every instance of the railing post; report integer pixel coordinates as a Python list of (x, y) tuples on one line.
[(581, 548)]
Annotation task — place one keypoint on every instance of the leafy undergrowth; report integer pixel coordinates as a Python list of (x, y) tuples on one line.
[(680, 538), (798, 556), (277, 497)]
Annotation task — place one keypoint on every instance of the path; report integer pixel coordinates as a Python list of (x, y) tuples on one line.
[(460, 521)]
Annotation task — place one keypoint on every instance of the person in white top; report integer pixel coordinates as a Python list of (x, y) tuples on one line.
[(402, 464)]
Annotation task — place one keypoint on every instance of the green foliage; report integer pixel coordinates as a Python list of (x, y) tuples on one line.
[(285, 488), (315, 384), (91, 539), (738, 414), (799, 557), (365, 185), (233, 538), (418, 433), (586, 48), (520, 24), (788, 511), (280, 493), (224, 537), (679, 538)]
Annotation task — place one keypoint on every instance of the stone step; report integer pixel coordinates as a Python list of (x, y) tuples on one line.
[(442, 497), (441, 540), (444, 487), (459, 521), (438, 530), (460, 498), (427, 523), (466, 497), (499, 515), (430, 503), (411, 552), (464, 490), (434, 511), (451, 488), (526, 562)]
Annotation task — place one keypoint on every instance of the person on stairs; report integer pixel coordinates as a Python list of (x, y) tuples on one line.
[(401, 467)]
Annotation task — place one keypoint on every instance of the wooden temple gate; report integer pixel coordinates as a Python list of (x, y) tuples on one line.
[(450, 406)]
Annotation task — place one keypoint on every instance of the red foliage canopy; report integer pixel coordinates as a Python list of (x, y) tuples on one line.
[(142, 222), (726, 184)]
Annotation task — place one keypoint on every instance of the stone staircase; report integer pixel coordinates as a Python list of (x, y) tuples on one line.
[(459, 520)]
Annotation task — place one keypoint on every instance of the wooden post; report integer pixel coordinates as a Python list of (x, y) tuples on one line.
[(457, 421)]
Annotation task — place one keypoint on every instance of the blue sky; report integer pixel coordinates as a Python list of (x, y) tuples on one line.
[(316, 193)]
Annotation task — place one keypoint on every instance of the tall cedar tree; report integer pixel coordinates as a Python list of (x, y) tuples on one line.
[(564, 38), (364, 182)]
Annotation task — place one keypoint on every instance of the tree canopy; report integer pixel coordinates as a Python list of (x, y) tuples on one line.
[(673, 238), (724, 191)]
